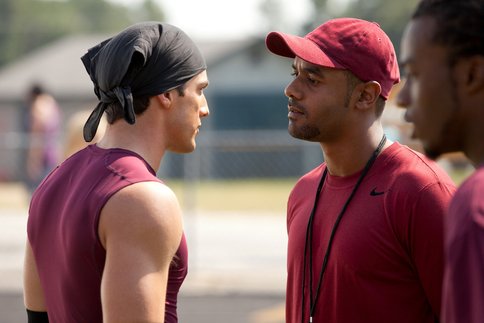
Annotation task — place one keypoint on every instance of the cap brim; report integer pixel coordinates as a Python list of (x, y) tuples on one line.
[(291, 46)]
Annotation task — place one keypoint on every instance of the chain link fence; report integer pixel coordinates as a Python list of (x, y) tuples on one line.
[(243, 154), (219, 155)]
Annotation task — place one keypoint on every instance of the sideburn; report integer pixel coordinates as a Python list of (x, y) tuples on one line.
[(351, 82)]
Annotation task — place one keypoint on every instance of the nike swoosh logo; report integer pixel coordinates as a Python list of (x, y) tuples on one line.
[(375, 193)]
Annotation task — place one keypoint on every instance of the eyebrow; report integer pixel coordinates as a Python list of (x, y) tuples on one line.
[(311, 70)]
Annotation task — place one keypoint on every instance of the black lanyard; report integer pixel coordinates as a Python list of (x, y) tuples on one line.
[(309, 234)]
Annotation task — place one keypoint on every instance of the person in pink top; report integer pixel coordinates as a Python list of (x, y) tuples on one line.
[(442, 51), (365, 228), (105, 236), (42, 124)]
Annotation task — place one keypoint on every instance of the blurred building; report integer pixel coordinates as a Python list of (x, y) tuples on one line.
[(245, 135)]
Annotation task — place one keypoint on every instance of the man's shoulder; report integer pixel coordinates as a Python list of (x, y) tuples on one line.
[(412, 162), (473, 185), (148, 194), (141, 206), (310, 179), (411, 171)]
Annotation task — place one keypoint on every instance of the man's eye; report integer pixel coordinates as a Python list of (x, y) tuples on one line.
[(294, 73), (312, 80)]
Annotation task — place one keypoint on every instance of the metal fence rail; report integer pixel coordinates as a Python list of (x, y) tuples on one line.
[(219, 154), (244, 154)]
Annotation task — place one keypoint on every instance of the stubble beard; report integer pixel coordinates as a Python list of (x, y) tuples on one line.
[(306, 132), (449, 139)]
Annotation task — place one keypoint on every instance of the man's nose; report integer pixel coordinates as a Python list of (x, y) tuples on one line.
[(291, 90)]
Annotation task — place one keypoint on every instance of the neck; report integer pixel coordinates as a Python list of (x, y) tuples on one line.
[(137, 138), (476, 155), (474, 144), (349, 157)]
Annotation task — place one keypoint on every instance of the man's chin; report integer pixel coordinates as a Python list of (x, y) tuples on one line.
[(432, 153), (306, 133), (189, 149), (184, 150)]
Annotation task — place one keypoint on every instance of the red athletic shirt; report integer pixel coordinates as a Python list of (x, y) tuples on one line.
[(63, 232), (386, 261), (463, 299)]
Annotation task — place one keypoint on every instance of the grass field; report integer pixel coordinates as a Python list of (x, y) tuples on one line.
[(244, 195), (264, 195)]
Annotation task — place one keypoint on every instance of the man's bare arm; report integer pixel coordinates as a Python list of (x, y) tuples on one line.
[(33, 294), (141, 228)]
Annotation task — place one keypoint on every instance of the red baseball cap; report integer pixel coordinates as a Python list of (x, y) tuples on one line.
[(356, 45)]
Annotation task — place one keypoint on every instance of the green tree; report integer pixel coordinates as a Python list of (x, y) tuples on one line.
[(150, 10), (99, 15), (29, 24), (391, 15)]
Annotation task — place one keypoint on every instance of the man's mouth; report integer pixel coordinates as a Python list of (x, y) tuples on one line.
[(294, 109)]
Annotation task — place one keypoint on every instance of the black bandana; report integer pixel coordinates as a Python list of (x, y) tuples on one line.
[(145, 59)]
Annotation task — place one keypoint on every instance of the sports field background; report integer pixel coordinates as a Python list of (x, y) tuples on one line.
[(257, 195), (244, 195)]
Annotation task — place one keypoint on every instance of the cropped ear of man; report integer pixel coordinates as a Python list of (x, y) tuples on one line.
[(369, 92), (165, 100), (470, 76)]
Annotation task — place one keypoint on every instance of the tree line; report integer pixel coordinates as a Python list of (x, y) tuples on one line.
[(28, 24)]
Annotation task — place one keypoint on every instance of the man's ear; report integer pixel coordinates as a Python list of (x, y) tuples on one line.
[(470, 74), (368, 95), (165, 99)]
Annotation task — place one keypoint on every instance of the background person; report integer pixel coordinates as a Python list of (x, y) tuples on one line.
[(74, 140), (443, 55), (41, 124), (105, 236), (365, 227)]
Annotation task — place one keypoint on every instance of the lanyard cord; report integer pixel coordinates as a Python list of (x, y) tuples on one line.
[(309, 234)]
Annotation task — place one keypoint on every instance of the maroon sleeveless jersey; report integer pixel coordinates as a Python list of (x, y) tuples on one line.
[(63, 232)]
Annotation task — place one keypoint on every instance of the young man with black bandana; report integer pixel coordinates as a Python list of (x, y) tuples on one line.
[(105, 236)]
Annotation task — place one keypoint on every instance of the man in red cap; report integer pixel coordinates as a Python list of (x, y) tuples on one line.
[(366, 226)]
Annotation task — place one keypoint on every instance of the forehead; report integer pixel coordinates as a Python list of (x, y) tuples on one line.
[(417, 41), (301, 64), (200, 78)]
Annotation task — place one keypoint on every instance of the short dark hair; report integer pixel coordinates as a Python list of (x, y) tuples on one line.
[(35, 90), (181, 90), (114, 110), (459, 25), (352, 81), (140, 104)]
